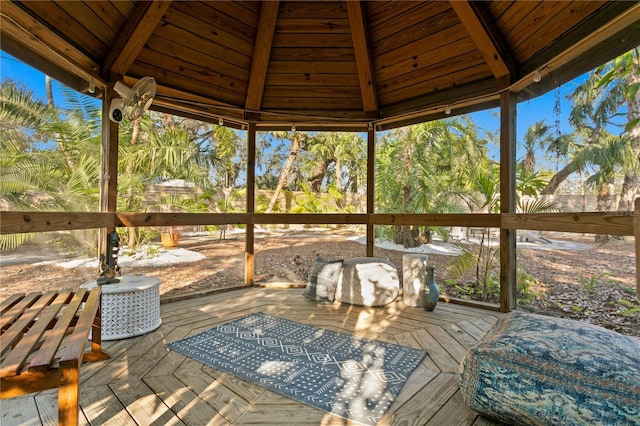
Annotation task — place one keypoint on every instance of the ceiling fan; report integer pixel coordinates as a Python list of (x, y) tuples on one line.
[(134, 101)]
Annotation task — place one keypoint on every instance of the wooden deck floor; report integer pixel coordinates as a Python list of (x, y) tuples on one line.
[(145, 383)]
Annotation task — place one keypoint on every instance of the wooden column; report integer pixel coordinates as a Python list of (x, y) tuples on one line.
[(508, 299), (108, 169), (249, 250), (636, 230), (371, 188)]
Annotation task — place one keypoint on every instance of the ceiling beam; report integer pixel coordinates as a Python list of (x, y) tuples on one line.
[(261, 54), (363, 57), (133, 36), (487, 37), (29, 34)]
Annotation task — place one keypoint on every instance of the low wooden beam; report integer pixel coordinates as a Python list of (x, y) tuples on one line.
[(132, 38), (19, 222), (608, 223), (180, 219), (452, 219), (261, 54)]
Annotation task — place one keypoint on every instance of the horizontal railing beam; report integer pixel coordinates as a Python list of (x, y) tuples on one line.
[(609, 223)]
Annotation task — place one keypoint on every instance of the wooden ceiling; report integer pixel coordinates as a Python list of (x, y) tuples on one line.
[(320, 63)]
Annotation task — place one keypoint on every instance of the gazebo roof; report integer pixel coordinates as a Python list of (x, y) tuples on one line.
[(320, 63)]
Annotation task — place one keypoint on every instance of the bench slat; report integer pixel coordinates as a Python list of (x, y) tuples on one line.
[(44, 357), (17, 358), (18, 309), (15, 332), (10, 301), (49, 332), (78, 339)]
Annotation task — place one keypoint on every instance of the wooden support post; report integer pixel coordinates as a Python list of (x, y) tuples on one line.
[(636, 231), (249, 251), (371, 187), (508, 298), (108, 170)]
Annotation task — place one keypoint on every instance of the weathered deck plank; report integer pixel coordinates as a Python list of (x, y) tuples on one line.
[(144, 406), (145, 383)]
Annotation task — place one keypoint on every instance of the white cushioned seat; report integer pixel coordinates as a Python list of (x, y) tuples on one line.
[(363, 281), (368, 281)]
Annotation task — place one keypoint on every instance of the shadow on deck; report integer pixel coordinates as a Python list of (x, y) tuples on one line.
[(145, 383)]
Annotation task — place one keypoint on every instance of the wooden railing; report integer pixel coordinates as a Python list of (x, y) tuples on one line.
[(608, 223)]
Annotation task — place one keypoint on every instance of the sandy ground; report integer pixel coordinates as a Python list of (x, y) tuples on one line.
[(570, 277)]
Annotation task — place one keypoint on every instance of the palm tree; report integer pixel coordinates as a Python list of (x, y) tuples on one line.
[(425, 169), (597, 106), (49, 158), (536, 136)]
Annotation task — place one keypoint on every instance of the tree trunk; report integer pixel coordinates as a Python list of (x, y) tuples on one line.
[(132, 241), (296, 146), (630, 185), (407, 235), (529, 162), (314, 183), (558, 178), (135, 131), (628, 192), (604, 204), (49, 89)]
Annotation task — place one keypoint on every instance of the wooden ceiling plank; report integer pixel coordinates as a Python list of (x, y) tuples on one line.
[(183, 80), (133, 36), (363, 57), (329, 54), (323, 67), (194, 72), (313, 25), (432, 73), (261, 54), (467, 74), (236, 38), (306, 80), (485, 34)]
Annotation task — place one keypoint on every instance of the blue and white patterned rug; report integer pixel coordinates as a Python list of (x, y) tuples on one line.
[(352, 377)]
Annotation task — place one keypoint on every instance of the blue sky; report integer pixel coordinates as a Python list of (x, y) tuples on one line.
[(527, 113)]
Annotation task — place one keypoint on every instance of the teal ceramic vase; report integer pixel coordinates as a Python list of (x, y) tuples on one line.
[(430, 292)]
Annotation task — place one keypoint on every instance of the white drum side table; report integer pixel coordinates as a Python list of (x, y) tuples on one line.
[(130, 307)]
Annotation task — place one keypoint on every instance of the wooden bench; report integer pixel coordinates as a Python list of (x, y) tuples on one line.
[(42, 344)]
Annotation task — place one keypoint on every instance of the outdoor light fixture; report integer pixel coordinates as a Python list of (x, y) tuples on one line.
[(537, 76), (220, 121), (447, 110), (92, 87), (293, 127)]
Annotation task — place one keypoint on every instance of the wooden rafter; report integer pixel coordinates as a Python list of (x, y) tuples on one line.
[(133, 37), (363, 57), (261, 54), (487, 37), (22, 31)]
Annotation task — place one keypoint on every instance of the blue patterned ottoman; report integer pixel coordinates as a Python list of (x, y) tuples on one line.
[(538, 370)]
